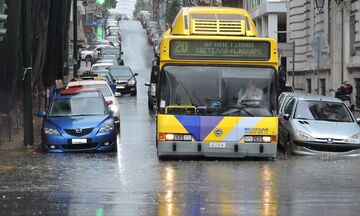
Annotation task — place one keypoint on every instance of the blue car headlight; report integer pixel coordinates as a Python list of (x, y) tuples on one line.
[(106, 128), (51, 131)]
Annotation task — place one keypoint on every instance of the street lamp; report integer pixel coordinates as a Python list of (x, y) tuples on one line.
[(320, 4)]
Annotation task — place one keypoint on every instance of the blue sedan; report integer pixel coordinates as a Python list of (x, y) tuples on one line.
[(79, 120)]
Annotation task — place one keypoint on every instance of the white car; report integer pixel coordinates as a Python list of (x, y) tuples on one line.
[(92, 50), (105, 90), (101, 66)]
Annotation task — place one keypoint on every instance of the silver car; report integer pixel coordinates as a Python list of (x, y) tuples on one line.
[(316, 125)]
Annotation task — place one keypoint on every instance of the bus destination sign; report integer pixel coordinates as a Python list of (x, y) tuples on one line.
[(213, 50)]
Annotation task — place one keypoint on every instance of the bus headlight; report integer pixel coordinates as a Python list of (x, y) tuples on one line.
[(169, 137), (266, 139), (178, 137), (259, 139)]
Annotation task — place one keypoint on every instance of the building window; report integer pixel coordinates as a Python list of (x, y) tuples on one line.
[(308, 82), (357, 88), (323, 86), (352, 35)]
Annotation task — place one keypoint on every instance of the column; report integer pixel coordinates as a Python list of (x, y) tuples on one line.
[(272, 25), (264, 32)]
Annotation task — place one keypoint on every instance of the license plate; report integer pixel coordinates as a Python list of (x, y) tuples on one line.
[(120, 87), (78, 141), (328, 154), (217, 145)]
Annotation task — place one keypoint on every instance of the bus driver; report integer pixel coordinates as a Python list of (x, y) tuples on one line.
[(251, 95)]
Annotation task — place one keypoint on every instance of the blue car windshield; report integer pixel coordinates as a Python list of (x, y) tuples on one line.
[(77, 106)]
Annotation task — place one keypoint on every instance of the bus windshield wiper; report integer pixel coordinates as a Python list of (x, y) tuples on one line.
[(234, 109)]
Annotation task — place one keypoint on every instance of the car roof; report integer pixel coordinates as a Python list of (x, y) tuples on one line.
[(315, 97), (78, 92), (291, 94), (119, 67), (102, 64), (86, 82)]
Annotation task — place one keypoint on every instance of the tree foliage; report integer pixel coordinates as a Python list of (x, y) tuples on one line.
[(140, 6), (110, 3), (172, 11)]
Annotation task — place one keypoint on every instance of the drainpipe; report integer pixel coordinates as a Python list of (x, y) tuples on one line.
[(342, 44)]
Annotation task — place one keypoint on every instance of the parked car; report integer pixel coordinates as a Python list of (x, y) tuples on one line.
[(319, 126), (113, 31), (284, 98), (125, 79), (154, 34), (78, 120), (91, 52), (113, 61), (111, 51), (105, 90), (105, 42), (101, 66), (114, 40), (154, 76), (151, 24), (101, 75)]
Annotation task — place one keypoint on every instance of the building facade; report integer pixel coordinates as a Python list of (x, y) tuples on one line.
[(269, 17), (327, 45)]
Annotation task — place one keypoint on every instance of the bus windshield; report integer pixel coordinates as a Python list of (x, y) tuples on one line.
[(218, 90)]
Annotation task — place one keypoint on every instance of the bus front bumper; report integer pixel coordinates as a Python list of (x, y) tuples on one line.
[(215, 149)]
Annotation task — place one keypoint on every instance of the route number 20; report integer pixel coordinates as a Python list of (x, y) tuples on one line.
[(181, 47)]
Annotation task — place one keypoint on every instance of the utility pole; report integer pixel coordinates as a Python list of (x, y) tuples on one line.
[(75, 49), (293, 64), (27, 78)]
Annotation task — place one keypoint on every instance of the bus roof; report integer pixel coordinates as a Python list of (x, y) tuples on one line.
[(213, 21)]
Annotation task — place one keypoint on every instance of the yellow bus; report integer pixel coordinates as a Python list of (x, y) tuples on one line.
[(216, 86)]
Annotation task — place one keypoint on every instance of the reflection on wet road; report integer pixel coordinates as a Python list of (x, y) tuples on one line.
[(134, 182)]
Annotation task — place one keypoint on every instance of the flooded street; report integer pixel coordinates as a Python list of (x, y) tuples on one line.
[(133, 181)]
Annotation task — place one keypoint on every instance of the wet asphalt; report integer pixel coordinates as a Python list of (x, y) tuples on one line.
[(133, 182)]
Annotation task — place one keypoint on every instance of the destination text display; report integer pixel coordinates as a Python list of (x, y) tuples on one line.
[(212, 50)]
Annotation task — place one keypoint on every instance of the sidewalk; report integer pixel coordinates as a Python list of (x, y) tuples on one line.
[(12, 127)]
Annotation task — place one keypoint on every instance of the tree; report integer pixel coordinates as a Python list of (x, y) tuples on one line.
[(110, 3), (140, 6), (172, 11)]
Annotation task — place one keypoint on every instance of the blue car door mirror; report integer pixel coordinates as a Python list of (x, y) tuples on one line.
[(41, 114)]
